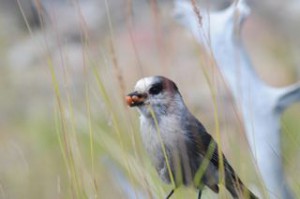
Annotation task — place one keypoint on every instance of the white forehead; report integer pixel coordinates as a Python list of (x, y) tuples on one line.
[(144, 84)]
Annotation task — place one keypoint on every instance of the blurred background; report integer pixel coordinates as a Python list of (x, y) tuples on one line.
[(66, 65)]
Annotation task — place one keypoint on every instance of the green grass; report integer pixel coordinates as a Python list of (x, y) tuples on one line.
[(290, 144)]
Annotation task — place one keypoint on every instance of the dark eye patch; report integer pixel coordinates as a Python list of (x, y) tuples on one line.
[(156, 89)]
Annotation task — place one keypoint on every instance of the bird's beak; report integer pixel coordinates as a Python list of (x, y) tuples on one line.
[(135, 99)]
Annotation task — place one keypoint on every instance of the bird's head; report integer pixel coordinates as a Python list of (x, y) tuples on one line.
[(157, 93)]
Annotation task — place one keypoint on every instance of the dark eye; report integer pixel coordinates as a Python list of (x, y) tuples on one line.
[(155, 89)]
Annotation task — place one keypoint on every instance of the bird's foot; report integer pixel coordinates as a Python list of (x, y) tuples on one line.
[(199, 194), (170, 194)]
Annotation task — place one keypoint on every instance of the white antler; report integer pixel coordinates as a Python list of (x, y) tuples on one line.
[(260, 104)]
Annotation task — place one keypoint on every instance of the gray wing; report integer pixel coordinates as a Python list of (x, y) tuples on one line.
[(201, 143)]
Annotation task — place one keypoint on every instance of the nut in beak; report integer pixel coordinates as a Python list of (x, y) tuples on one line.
[(135, 99)]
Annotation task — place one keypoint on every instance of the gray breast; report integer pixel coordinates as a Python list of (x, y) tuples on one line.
[(172, 135)]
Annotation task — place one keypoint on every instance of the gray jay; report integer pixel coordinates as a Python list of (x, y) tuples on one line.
[(178, 144)]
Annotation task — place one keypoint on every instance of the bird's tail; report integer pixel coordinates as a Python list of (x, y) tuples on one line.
[(252, 196), (235, 186), (247, 194), (238, 190)]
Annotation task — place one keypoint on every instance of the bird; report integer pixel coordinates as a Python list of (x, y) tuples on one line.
[(178, 145)]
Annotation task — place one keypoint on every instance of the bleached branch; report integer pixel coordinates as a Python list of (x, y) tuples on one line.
[(288, 96), (261, 105)]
